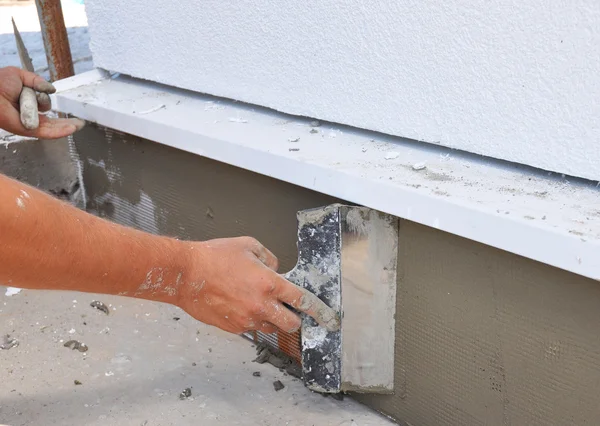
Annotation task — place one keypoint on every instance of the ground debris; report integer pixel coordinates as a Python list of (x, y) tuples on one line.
[(8, 342), (75, 345), (277, 385), (185, 394), (266, 354), (77, 382), (100, 306), (256, 374)]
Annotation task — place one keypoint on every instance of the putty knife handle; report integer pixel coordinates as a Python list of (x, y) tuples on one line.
[(29, 109)]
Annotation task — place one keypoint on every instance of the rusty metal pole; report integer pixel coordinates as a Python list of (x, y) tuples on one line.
[(56, 42)]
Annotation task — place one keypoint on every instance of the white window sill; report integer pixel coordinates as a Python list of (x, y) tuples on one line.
[(548, 218)]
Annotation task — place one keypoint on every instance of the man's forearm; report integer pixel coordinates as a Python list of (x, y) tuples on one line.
[(48, 244)]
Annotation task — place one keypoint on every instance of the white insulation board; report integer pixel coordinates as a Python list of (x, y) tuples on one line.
[(513, 80)]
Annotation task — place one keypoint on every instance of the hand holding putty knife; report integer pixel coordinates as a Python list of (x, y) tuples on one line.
[(34, 97)]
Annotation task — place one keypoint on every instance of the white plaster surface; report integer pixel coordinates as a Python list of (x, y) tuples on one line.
[(515, 80), (535, 214)]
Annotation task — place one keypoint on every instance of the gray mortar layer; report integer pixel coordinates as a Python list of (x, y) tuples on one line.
[(482, 336)]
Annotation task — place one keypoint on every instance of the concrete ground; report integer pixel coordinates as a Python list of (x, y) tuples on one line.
[(140, 358)]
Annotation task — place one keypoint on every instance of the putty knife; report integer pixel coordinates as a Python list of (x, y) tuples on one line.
[(28, 102), (347, 256)]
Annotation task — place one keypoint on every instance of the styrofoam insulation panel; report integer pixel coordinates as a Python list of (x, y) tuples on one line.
[(512, 80)]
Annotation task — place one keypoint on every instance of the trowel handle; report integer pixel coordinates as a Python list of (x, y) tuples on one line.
[(29, 109)]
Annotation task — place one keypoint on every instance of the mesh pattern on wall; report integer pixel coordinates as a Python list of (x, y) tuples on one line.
[(288, 343)]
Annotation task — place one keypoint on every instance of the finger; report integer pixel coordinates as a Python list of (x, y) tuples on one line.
[(265, 256), (281, 317), (267, 328), (44, 103), (57, 127), (36, 82), (306, 302)]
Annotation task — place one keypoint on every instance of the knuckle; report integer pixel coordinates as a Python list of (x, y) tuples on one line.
[(269, 286), (257, 309), (249, 241)]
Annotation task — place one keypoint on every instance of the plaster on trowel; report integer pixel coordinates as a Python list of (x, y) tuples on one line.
[(347, 257)]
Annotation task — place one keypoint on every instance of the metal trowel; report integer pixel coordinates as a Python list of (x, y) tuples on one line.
[(347, 256)]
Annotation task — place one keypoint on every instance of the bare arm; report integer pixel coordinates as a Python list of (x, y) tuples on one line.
[(229, 283)]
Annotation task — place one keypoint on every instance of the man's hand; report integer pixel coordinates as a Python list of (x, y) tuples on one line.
[(234, 287), (12, 81), (230, 283)]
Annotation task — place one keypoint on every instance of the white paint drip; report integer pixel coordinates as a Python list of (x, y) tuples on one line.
[(11, 291), (75, 157), (151, 110)]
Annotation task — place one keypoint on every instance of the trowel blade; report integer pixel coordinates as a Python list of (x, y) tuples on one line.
[(347, 257)]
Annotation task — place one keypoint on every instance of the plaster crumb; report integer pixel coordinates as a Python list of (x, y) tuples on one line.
[(237, 120), (392, 155), (11, 291), (72, 331), (419, 166), (364, 149), (100, 306), (315, 123), (293, 139), (154, 109), (76, 346), (8, 342), (185, 394), (109, 373)]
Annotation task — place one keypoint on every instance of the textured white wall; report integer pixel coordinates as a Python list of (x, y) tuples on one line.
[(516, 80)]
